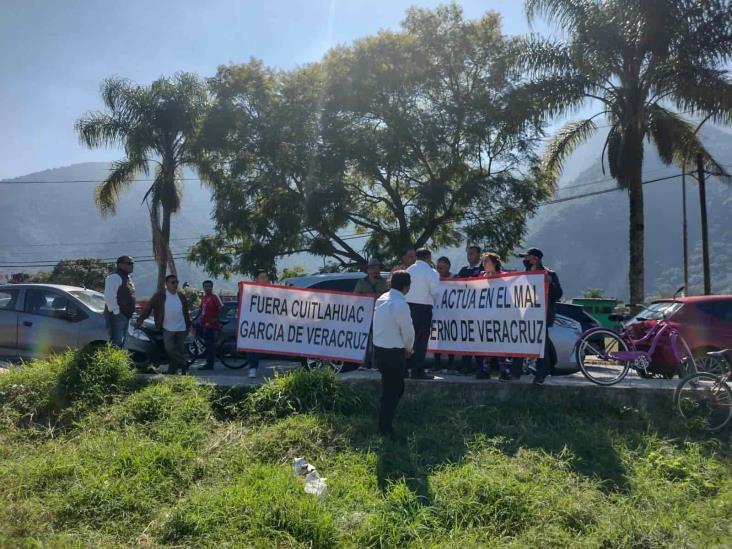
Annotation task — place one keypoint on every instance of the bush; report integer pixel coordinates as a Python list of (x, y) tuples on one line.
[(46, 393), (264, 507), (303, 391)]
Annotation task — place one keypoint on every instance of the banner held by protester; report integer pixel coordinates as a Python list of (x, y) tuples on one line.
[(503, 315), (293, 321)]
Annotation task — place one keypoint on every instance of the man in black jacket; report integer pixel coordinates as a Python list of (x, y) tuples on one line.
[(533, 261)]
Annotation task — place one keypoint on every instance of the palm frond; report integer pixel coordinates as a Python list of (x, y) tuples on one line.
[(566, 13), (677, 141), (550, 97), (563, 144), (122, 175), (99, 130), (537, 56), (704, 91)]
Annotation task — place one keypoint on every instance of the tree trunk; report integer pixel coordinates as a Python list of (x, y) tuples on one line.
[(636, 234), (167, 257), (157, 243)]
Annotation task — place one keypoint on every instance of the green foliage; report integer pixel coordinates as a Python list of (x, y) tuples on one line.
[(637, 60), (264, 507), (46, 393), (297, 270), (87, 273), (155, 468), (593, 293), (304, 391), (403, 137), (156, 123), (193, 296)]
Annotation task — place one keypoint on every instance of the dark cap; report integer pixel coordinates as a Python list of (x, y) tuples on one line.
[(532, 251), (373, 262)]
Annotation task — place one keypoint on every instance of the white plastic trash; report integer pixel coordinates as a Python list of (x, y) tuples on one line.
[(301, 467), (315, 484)]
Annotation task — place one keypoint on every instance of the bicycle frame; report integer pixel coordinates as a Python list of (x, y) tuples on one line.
[(632, 354)]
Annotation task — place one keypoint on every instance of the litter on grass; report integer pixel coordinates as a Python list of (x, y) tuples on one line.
[(314, 483)]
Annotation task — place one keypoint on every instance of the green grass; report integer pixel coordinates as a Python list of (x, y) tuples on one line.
[(89, 457)]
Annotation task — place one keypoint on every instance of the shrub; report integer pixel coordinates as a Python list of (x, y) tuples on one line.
[(46, 393), (264, 507), (303, 391)]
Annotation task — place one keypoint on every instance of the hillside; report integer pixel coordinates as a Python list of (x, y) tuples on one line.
[(585, 240), (41, 222)]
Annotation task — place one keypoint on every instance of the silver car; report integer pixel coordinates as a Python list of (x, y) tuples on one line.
[(40, 319)]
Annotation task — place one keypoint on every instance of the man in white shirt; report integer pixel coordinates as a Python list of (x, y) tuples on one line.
[(119, 300), (423, 292), (393, 344), (170, 311)]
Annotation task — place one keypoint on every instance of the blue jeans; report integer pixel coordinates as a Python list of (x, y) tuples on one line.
[(116, 328), (253, 360)]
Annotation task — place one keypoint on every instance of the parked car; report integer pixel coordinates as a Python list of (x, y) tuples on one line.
[(39, 319), (577, 312), (705, 322), (563, 334)]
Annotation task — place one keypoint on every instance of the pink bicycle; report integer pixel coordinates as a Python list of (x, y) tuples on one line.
[(606, 356)]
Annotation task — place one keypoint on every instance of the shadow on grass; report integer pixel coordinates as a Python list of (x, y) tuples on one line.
[(438, 431)]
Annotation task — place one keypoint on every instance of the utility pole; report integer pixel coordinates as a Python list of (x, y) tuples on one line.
[(686, 231), (704, 230)]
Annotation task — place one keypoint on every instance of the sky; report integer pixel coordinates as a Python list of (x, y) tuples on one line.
[(55, 53)]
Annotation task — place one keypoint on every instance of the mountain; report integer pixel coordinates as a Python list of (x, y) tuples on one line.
[(44, 222), (586, 240)]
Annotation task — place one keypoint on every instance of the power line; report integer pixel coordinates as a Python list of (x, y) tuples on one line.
[(53, 264), (72, 181), (67, 244)]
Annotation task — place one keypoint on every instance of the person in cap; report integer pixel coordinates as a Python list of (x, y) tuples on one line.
[(533, 260), (119, 300), (372, 283)]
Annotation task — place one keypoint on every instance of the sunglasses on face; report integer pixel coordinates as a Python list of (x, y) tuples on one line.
[(173, 282), (128, 262)]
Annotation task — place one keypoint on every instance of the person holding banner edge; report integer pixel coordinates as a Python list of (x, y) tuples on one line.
[(492, 266), (423, 291), (260, 277), (533, 261), (394, 338)]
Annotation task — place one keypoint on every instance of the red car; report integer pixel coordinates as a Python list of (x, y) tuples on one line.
[(705, 322)]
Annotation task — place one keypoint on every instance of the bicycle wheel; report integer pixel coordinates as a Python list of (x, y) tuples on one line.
[(230, 356), (315, 363), (593, 357), (704, 400), (688, 361)]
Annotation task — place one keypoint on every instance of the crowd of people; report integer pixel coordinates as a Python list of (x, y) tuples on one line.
[(403, 320)]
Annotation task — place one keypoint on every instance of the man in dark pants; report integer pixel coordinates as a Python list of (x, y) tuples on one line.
[(210, 310), (474, 269), (423, 291), (393, 343), (533, 262)]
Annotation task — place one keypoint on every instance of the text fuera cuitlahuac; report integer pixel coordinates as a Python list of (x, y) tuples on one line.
[(306, 310)]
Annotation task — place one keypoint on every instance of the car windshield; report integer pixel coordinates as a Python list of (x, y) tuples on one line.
[(93, 300), (657, 311)]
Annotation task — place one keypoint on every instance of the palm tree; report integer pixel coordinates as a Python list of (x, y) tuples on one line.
[(646, 63), (156, 125)]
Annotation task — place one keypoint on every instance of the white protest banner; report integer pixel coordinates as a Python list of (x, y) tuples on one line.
[(503, 315), (285, 320)]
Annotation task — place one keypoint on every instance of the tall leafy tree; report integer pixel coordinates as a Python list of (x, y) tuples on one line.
[(646, 63), (156, 125), (404, 138)]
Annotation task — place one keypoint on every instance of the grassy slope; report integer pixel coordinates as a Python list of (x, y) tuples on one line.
[(89, 458)]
